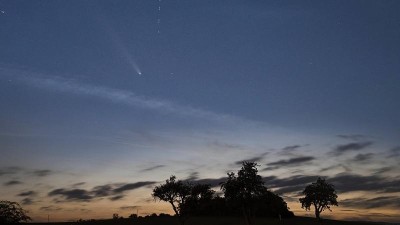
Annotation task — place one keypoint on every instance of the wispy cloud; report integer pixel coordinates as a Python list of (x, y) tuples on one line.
[(126, 97), (363, 157), (292, 161), (10, 170), (291, 148), (27, 193), (152, 168), (253, 159), (395, 152), (130, 207), (352, 137), (12, 182), (354, 146), (378, 202), (42, 173), (113, 191)]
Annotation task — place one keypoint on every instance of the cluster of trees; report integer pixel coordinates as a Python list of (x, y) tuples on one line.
[(244, 193)]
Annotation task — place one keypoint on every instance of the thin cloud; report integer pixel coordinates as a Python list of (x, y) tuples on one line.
[(117, 197), (50, 208), (27, 193), (42, 173), (214, 182), (353, 137), (193, 176), (378, 202), (253, 159), (132, 186), (224, 145), (383, 170), (78, 184), (292, 161), (130, 207), (119, 96), (112, 191), (345, 168), (289, 184), (72, 195), (291, 148), (152, 168), (355, 182), (102, 190), (354, 146), (10, 170), (363, 157), (394, 152), (27, 201), (12, 183)]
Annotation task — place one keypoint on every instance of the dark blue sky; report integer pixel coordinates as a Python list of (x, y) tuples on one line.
[(93, 84)]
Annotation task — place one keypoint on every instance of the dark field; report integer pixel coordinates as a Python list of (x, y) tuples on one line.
[(214, 221)]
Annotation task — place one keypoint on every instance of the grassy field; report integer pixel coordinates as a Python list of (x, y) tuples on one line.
[(214, 221)]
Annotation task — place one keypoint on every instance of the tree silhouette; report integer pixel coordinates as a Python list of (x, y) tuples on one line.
[(200, 196), (12, 213), (245, 190), (184, 197), (320, 194)]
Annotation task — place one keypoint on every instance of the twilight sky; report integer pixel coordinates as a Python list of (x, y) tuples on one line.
[(102, 100)]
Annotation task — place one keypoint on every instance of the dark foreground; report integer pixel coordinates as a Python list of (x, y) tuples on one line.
[(213, 221)]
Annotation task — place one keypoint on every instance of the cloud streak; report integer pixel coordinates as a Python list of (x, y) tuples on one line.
[(253, 159), (378, 202), (152, 168), (292, 161), (12, 183), (354, 146), (113, 191), (119, 96)]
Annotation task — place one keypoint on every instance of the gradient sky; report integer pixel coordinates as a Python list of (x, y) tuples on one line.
[(97, 106)]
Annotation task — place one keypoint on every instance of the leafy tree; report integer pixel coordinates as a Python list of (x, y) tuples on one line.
[(245, 189), (184, 197), (12, 213), (320, 194), (200, 196)]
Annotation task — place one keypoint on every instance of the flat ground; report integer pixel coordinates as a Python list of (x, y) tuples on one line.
[(214, 221)]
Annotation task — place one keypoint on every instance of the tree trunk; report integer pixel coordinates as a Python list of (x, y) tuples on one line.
[(317, 212), (248, 216)]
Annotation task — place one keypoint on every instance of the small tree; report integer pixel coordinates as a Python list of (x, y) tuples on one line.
[(245, 190), (12, 213), (320, 194), (184, 197)]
